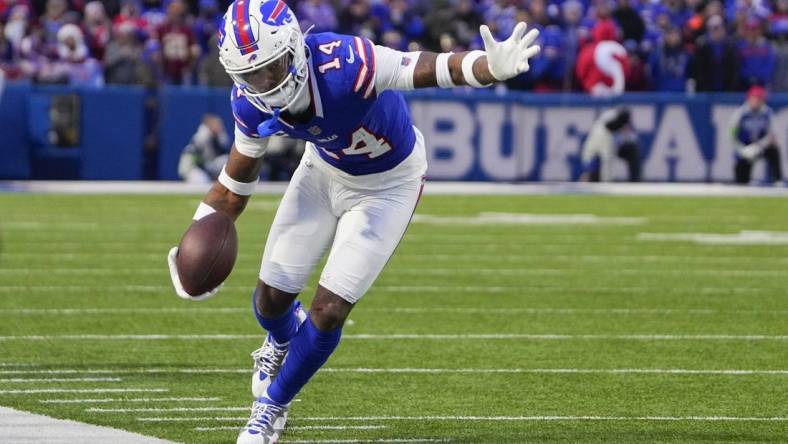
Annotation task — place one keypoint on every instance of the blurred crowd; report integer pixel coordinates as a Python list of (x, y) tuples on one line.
[(602, 47)]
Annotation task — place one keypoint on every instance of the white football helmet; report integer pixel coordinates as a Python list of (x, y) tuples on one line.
[(262, 48)]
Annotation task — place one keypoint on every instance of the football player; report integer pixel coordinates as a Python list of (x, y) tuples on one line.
[(355, 189)]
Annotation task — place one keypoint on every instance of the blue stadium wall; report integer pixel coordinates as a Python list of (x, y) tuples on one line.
[(471, 135)]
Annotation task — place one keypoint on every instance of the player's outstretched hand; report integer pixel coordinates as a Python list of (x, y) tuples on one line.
[(509, 58), (271, 126), (176, 280)]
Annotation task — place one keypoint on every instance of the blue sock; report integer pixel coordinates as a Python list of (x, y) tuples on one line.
[(283, 328), (309, 350)]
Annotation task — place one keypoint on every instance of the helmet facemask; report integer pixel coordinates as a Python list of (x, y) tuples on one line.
[(277, 81)]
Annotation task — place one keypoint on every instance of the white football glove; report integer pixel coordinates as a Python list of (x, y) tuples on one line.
[(176, 280), (509, 58), (751, 151)]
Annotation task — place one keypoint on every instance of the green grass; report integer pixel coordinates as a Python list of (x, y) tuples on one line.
[(107, 254)]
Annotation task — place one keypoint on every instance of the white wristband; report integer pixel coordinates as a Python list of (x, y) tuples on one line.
[(442, 72), (203, 210), (467, 68), (239, 188)]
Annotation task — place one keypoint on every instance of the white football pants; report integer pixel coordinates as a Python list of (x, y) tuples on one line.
[(361, 218)]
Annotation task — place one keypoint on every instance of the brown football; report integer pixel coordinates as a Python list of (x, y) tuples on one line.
[(207, 253)]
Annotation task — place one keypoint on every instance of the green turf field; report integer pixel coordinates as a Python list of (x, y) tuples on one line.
[(475, 333)]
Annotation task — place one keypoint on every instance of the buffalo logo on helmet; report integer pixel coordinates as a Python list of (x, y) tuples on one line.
[(222, 33), (275, 12)]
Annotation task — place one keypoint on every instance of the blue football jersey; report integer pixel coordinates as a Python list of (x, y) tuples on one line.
[(353, 128), (752, 126)]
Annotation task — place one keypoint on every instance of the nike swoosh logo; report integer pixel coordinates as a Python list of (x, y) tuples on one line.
[(352, 57)]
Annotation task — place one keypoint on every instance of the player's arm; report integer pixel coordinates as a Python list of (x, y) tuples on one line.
[(229, 194), (233, 189), (499, 61)]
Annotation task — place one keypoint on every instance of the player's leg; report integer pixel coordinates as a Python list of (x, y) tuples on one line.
[(302, 230), (772, 156), (367, 235), (630, 153), (591, 170), (742, 170)]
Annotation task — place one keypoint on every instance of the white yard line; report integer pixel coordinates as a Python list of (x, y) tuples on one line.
[(241, 419), (122, 311), (317, 427), (487, 418), (38, 380), (406, 336), (92, 390), (432, 188), (564, 337), (167, 409), (358, 441), (21, 427), (112, 400), (510, 219), (436, 310), (568, 311), (446, 289), (744, 237), (551, 418), (480, 256), (490, 256), (432, 271), (613, 371)]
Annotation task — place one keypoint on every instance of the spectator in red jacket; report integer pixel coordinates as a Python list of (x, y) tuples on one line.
[(602, 64)]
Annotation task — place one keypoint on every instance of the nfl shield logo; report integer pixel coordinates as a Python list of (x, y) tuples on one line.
[(315, 130)]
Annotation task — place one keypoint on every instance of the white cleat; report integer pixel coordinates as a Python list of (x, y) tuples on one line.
[(266, 423), (269, 358)]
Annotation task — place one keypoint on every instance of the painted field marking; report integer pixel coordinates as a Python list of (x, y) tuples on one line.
[(207, 371), (482, 256), (121, 311), (358, 441), (491, 218), (448, 289), (561, 337), (167, 409), (478, 256), (570, 311), (614, 371), (550, 418), (103, 390), (437, 310), (490, 418), (110, 400), (406, 336), (558, 256), (744, 237), (432, 271), (36, 380), (317, 427), (192, 419)]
